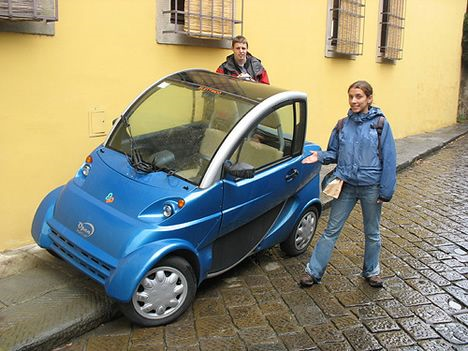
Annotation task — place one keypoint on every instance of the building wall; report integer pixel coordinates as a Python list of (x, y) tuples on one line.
[(104, 53)]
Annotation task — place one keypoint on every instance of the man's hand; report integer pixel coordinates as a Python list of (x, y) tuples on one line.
[(312, 158), (245, 76)]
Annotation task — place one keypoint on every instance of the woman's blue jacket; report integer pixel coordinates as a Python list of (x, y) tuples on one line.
[(355, 150)]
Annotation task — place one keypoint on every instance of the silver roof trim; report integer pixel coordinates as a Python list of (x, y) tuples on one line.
[(213, 173)]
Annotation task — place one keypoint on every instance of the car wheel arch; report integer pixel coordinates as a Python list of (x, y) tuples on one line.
[(121, 284), (318, 206), (190, 257)]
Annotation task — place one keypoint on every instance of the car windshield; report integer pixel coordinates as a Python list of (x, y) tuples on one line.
[(177, 127)]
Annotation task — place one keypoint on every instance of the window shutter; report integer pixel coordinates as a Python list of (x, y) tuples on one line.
[(212, 19)]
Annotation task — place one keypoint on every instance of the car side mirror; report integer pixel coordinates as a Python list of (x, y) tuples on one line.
[(239, 170)]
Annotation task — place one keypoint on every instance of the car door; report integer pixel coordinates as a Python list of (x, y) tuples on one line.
[(250, 206)]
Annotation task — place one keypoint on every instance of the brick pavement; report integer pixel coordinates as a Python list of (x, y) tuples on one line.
[(258, 305)]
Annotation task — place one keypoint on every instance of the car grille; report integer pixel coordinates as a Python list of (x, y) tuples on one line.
[(92, 266)]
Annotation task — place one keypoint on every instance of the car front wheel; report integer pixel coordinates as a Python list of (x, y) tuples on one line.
[(302, 234), (164, 293)]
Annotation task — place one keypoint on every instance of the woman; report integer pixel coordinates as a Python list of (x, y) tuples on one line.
[(366, 162)]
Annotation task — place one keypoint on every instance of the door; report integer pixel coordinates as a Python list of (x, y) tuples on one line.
[(250, 206)]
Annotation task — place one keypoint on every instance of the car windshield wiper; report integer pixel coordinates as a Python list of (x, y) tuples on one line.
[(135, 159), (169, 171)]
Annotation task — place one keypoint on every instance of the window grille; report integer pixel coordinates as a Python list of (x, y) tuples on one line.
[(207, 19), (392, 24), (29, 10), (345, 27)]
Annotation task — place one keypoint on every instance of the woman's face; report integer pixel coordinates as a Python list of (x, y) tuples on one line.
[(358, 101)]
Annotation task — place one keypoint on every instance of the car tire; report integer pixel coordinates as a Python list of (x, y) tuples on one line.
[(299, 239), (163, 295)]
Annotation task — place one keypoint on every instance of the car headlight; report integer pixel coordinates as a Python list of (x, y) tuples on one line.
[(168, 210), (85, 169)]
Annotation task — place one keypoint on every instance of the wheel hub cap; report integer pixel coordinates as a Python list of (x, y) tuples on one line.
[(160, 293)]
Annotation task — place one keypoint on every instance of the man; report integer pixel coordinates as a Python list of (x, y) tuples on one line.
[(242, 64)]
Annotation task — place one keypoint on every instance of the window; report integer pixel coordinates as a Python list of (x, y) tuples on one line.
[(345, 28), (199, 22), (177, 11), (29, 10), (270, 140), (392, 24), (28, 16)]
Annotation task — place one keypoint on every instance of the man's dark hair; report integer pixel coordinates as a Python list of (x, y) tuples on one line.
[(240, 39)]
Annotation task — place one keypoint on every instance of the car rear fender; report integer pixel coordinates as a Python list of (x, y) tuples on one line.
[(132, 268), (40, 229), (317, 204), (310, 196)]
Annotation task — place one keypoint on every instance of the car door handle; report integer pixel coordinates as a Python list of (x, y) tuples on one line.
[(293, 173)]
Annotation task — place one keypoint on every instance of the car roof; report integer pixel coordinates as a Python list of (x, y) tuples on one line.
[(256, 92)]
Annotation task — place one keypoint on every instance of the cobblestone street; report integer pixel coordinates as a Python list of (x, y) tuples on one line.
[(259, 306)]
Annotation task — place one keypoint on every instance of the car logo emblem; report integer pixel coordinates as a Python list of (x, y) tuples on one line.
[(85, 229), (109, 198)]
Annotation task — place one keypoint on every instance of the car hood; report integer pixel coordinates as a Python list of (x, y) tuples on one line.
[(113, 204), (114, 182)]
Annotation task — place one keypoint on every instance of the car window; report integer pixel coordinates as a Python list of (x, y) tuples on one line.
[(270, 140)]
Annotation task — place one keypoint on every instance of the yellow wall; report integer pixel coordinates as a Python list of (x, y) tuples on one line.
[(104, 54)]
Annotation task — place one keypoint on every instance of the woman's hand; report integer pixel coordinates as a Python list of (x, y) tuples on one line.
[(381, 200), (312, 158)]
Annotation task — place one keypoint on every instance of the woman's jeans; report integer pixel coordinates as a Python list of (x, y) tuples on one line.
[(340, 211)]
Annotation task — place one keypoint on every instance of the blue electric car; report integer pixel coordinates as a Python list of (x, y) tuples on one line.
[(201, 171)]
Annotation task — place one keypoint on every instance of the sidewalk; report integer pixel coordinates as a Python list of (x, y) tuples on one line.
[(45, 302)]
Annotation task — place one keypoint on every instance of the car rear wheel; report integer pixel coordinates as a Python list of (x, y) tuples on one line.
[(302, 234), (164, 293)]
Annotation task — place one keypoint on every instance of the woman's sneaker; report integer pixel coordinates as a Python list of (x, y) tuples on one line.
[(375, 281), (307, 281)]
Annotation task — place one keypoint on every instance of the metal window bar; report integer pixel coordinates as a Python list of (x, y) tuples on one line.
[(347, 26), (29, 10), (208, 19), (392, 28)]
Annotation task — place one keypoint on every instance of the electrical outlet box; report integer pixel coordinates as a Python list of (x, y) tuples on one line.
[(97, 122)]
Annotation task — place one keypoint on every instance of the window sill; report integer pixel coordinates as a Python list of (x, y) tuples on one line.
[(28, 27)]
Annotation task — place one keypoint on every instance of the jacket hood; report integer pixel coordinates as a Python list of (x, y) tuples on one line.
[(374, 112), (249, 56)]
